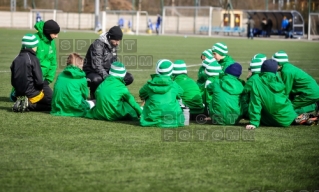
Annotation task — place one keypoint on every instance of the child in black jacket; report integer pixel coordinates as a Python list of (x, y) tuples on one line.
[(27, 80)]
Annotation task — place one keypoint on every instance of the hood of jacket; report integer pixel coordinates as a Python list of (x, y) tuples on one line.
[(160, 84), (74, 72), (231, 84), (39, 27), (103, 38), (272, 81)]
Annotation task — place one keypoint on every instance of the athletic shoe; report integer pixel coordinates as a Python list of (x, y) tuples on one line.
[(24, 104), (21, 105), (302, 119), (16, 105)]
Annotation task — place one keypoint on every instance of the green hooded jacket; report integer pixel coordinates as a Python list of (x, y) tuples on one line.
[(207, 97), (245, 97), (225, 107), (114, 101), (299, 83), (70, 93), (46, 53), (202, 77), (268, 103), (161, 107), (228, 60), (192, 97)]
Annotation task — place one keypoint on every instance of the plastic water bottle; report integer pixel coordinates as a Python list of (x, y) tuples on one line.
[(186, 115)]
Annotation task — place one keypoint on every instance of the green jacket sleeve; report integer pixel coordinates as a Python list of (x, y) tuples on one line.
[(288, 80), (131, 101), (210, 87), (255, 108), (84, 89), (53, 65), (143, 93)]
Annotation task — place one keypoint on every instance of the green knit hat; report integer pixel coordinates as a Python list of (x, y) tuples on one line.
[(281, 57), (260, 56), (255, 65), (179, 67), (208, 53), (220, 48), (213, 69), (164, 67), (29, 41), (207, 61), (117, 69)]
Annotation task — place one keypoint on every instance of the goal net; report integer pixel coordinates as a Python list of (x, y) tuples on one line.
[(190, 20), (130, 21), (313, 26), (44, 15)]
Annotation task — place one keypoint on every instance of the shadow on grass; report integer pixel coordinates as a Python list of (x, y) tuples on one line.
[(5, 99), (3, 108), (123, 122)]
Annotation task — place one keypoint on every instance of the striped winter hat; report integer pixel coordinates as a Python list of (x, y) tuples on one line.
[(255, 65), (117, 69), (179, 67), (213, 69), (281, 57), (220, 48), (29, 41), (260, 56), (207, 61), (164, 67), (208, 53)]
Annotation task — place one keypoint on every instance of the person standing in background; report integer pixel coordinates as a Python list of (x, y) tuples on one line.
[(269, 27), (250, 27)]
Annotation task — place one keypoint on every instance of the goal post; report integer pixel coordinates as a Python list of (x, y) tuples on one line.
[(190, 19), (45, 14), (313, 26)]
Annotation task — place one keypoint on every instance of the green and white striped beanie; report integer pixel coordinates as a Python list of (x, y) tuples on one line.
[(208, 53), (164, 67), (281, 57), (255, 65), (207, 61), (220, 48), (179, 67), (260, 56), (213, 69), (117, 69), (29, 41)]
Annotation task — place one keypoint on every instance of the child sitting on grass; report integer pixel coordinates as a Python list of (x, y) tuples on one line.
[(191, 97), (26, 79), (113, 100), (300, 87), (268, 103), (253, 74), (212, 71), (225, 107), (161, 95), (70, 91)]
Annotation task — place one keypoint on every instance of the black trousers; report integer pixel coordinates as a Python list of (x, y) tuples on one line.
[(45, 103), (96, 80)]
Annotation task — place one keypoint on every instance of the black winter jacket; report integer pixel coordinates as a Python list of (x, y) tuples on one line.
[(26, 74), (99, 57)]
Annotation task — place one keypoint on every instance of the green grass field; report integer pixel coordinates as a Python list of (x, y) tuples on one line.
[(39, 152)]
